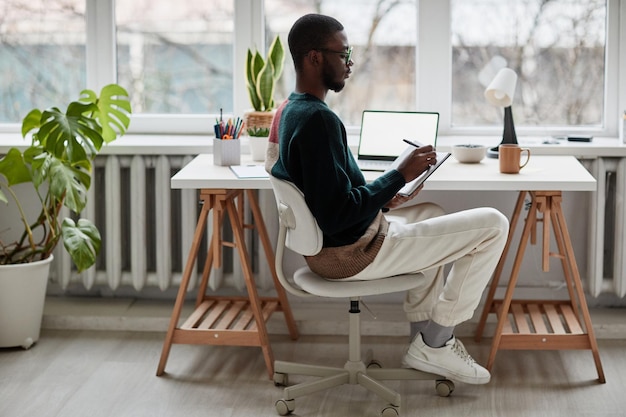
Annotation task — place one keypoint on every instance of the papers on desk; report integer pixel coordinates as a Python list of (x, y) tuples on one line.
[(249, 171)]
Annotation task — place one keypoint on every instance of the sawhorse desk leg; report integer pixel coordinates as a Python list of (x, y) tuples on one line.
[(232, 321), (540, 324)]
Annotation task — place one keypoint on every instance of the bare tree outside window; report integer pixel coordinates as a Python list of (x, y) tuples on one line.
[(176, 57), (383, 34), (42, 54), (557, 48)]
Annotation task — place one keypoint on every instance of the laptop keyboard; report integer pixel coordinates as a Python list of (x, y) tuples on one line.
[(373, 165)]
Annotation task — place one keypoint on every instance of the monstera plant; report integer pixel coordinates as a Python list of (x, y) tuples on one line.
[(58, 166)]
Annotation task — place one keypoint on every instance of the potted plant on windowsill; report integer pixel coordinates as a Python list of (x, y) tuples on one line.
[(261, 77), (57, 167)]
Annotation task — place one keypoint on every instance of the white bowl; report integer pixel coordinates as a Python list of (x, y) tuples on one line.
[(468, 153)]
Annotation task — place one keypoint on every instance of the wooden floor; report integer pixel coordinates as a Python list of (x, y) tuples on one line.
[(71, 373)]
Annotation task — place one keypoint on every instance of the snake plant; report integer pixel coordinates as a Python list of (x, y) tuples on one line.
[(262, 75)]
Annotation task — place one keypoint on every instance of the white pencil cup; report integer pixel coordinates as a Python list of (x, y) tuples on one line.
[(226, 152)]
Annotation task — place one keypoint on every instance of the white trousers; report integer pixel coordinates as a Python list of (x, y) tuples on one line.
[(422, 238)]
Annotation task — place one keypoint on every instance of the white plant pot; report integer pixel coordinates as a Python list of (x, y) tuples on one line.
[(258, 147), (22, 296)]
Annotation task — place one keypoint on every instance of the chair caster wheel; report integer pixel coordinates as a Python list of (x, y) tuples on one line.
[(280, 379), (374, 364), (389, 412), (285, 407), (444, 387)]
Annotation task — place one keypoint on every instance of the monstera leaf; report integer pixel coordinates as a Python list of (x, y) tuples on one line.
[(82, 242), (78, 134), (113, 112)]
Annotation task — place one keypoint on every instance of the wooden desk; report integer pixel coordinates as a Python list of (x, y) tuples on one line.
[(232, 321), (543, 180), (543, 173)]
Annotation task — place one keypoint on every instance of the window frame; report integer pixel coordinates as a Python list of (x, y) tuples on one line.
[(433, 69)]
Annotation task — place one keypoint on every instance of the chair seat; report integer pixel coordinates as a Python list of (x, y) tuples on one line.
[(312, 283)]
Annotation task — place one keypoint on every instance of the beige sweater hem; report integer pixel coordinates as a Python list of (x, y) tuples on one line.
[(346, 261)]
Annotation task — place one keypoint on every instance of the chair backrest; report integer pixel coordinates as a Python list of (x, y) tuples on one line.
[(303, 234)]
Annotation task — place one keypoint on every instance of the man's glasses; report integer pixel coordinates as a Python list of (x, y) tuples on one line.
[(346, 55)]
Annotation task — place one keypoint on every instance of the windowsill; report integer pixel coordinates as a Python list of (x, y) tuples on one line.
[(598, 147), (153, 144), (149, 144)]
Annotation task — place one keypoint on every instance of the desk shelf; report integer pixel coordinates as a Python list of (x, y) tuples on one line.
[(225, 321), (543, 325)]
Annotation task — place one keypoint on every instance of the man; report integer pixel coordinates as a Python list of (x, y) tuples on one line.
[(308, 146)]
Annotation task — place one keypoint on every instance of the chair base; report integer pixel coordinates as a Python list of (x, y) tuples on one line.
[(353, 373), (365, 372)]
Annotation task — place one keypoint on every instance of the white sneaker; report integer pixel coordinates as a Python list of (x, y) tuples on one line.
[(451, 361)]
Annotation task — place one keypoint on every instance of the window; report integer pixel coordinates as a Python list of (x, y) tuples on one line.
[(183, 61), (383, 34), (42, 54), (557, 48), (176, 57)]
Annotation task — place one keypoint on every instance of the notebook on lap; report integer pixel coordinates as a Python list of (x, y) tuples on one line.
[(380, 140), (410, 187)]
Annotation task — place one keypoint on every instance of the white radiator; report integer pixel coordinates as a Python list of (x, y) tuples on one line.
[(607, 227), (147, 230)]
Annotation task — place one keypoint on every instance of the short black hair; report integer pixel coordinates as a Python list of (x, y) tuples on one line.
[(311, 31)]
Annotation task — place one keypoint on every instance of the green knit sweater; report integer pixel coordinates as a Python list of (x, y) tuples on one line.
[(308, 146)]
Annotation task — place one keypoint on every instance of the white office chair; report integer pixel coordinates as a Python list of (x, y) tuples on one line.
[(299, 232)]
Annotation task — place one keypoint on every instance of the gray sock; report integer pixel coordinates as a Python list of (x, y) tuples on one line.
[(435, 335), (417, 327)]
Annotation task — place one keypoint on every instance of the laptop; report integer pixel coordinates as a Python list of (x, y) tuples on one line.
[(380, 141)]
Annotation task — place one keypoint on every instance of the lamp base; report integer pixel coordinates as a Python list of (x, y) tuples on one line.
[(508, 135)]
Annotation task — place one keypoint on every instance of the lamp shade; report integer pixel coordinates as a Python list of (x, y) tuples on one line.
[(501, 90)]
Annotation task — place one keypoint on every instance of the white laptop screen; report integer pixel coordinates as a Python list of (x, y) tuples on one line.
[(382, 132)]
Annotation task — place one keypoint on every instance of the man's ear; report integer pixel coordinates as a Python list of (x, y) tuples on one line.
[(314, 57)]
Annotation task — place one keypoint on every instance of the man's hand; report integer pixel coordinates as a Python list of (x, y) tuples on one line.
[(417, 162), (399, 199)]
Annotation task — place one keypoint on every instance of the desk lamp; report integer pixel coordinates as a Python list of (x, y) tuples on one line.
[(500, 93)]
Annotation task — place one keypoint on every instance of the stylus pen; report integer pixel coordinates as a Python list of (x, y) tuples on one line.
[(412, 143)]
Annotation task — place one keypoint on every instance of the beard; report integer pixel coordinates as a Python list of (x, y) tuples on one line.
[(329, 79)]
